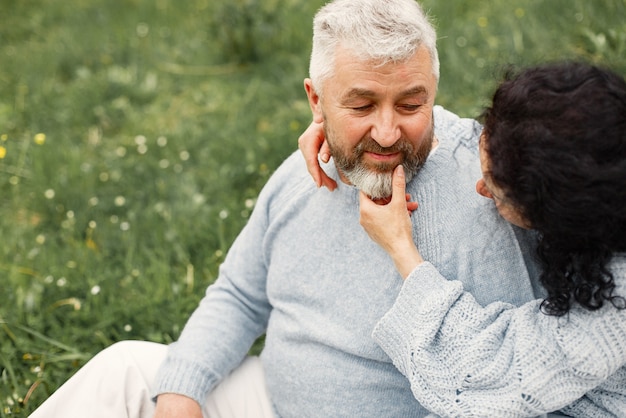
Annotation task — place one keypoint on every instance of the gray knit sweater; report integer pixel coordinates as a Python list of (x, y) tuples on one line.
[(304, 272), (464, 360)]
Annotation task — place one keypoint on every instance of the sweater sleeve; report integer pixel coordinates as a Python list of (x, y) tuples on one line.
[(463, 359), (209, 346), (607, 399)]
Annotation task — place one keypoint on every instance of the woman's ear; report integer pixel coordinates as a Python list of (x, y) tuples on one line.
[(481, 189), (314, 101)]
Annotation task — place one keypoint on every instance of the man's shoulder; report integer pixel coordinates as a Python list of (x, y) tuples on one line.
[(289, 180), (292, 171), (450, 127), (454, 166)]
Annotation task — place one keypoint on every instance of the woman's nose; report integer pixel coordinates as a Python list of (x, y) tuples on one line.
[(481, 189)]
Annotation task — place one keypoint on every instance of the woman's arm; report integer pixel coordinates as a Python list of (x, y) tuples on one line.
[(390, 225), (463, 359)]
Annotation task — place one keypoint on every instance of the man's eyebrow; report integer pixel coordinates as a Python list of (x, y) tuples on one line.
[(414, 91), (356, 93)]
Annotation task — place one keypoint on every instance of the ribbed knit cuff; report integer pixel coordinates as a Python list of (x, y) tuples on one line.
[(185, 378)]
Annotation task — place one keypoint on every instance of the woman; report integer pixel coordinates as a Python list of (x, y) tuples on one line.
[(553, 156)]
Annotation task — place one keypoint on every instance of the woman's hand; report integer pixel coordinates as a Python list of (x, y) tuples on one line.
[(313, 143), (389, 225)]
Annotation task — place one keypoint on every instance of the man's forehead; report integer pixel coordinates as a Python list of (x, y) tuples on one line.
[(359, 53), (351, 65)]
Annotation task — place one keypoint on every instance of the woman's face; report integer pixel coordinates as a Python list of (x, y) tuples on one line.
[(487, 188)]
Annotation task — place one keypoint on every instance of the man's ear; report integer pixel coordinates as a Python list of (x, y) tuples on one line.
[(314, 101)]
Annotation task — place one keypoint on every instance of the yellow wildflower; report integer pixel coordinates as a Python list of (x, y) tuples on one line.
[(3, 152), (40, 138)]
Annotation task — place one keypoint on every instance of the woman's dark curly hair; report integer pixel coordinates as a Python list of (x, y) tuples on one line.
[(555, 136)]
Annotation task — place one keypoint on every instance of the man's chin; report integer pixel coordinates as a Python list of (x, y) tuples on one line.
[(377, 186)]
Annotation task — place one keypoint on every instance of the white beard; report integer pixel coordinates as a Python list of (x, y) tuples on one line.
[(375, 185)]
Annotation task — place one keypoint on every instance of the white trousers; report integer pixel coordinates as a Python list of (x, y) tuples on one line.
[(118, 383)]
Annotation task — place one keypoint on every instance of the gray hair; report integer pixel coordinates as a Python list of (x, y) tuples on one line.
[(380, 30)]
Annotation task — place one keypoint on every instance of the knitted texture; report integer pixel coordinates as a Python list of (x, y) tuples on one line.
[(305, 272), (465, 360)]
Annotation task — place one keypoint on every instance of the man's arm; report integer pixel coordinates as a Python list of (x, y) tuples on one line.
[(231, 316)]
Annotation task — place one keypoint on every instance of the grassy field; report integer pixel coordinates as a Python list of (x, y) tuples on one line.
[(135, 135)]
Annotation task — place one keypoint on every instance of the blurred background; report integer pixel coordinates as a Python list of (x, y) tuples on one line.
[(135, 136)]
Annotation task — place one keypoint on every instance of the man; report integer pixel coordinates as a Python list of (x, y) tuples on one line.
[(304, 272)]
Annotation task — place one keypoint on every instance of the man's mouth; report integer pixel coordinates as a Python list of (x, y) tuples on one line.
[(382, 157)]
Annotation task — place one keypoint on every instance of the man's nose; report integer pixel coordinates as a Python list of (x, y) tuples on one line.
[(386, 130)]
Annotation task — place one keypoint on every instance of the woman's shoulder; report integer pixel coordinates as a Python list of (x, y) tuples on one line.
[(618, 262), (617, 267)]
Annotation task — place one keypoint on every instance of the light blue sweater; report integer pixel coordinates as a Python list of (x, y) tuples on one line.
[(304, 271)]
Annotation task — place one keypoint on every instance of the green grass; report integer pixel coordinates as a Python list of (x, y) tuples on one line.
[(137, 135)]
